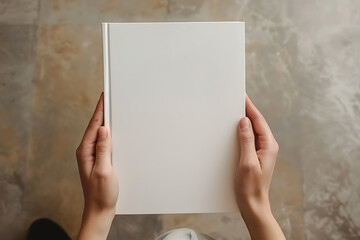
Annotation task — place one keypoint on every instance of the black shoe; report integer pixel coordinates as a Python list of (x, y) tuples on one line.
[(44, 229)]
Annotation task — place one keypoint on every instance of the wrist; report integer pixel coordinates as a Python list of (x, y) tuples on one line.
[(260, 221), (254, 209), (257, 215), (96, 223)]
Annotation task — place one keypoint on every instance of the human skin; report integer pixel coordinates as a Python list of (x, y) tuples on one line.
[(98, 178), (258, 152)]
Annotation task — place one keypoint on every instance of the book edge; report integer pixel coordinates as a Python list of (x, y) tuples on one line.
[(106, 66), (175, 22)]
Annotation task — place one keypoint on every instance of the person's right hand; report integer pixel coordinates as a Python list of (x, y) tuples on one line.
[(258, 153)]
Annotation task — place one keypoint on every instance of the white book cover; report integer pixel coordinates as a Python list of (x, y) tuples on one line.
[(174, 94)]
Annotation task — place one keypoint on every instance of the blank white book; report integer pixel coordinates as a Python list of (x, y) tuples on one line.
[(174, 94)]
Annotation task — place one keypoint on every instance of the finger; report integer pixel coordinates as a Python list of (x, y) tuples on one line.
[(85, 161), (96, 121), (259, 123), (103, 150), (246, 140)]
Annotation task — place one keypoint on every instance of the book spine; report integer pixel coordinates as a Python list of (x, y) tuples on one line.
[(106, 62)]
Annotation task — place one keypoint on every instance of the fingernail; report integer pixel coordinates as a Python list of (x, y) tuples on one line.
[(102, 133), (244, 123)]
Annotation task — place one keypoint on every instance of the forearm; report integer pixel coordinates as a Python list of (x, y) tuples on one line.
[(261, 222), (95, 225)]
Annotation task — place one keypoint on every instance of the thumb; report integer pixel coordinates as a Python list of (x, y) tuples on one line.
[(103, 149), (246, 139)]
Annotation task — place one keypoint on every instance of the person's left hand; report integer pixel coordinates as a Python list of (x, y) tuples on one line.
[(98, 178)]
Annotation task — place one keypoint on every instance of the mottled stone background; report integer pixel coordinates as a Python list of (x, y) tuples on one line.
[(302, 70)]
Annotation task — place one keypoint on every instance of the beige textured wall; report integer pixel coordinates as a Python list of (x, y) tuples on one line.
[(302, 71)]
